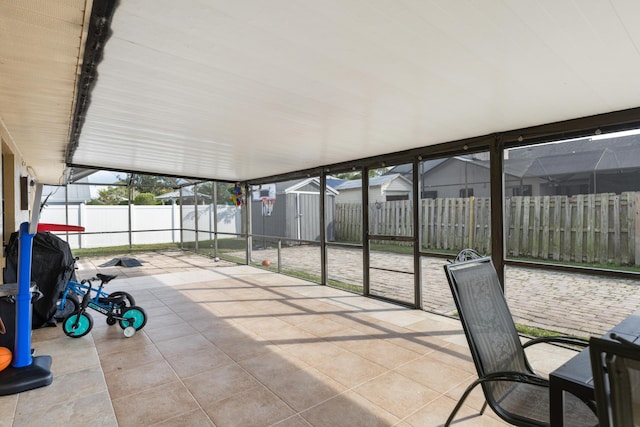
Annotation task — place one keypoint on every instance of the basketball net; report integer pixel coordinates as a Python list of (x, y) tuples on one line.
[(267, 206)]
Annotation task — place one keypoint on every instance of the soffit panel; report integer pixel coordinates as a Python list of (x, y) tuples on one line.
[(40, 45)]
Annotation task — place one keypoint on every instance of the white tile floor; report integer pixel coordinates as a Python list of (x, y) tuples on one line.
[(239, 346)]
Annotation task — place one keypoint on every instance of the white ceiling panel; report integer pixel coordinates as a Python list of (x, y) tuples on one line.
[(244, 89)]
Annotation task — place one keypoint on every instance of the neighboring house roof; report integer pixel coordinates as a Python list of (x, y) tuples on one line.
[(463, 159), (566, 158), (186, 192), (376, 181), (564, 164), (334, 182), (604, 159), (297, 185), (406, 169), (293, 186), (75, 194)]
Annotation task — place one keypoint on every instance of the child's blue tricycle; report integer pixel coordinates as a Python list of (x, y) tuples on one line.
[(117, 306)]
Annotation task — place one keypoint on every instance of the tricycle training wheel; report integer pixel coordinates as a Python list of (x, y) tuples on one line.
[(133, 316), (83, 326)]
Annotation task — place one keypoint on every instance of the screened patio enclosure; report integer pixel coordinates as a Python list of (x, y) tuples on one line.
[(550, 240)]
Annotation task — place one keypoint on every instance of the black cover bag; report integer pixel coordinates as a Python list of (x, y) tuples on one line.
[(7, 322), (52, 265)]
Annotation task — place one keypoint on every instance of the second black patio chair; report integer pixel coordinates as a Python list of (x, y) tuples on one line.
[(511, 388), (616, 379)]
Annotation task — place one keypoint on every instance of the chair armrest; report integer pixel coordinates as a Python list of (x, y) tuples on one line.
[(557, 339)]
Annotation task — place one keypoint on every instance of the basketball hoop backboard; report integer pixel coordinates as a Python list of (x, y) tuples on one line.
[(259, 192)]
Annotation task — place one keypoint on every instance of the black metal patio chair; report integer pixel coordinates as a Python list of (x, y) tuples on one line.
[(616, 379), (511, 388)]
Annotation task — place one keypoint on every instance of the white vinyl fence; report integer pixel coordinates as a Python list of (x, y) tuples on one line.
[(109, 225)]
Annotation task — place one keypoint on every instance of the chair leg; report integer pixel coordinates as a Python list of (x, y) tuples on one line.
[(461, 401), (484, 407)]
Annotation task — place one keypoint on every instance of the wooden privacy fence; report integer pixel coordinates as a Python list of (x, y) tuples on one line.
[(586, 228), (589, 228), (448, 224)]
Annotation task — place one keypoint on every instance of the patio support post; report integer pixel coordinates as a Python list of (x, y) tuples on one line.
[(215, 218), (181, 221), (497, 207), (323, 229), (365, 231), (246, 218), (195, 215), (173, 221), (417, 259), (130, 190)]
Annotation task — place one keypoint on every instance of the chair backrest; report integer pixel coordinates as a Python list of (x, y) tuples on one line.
[(491, 333), (616, 378)]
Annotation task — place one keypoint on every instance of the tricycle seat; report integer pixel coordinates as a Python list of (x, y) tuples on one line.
[(106, 278)]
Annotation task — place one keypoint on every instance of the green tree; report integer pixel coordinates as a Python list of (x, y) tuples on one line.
[(357, 174), (153, 184), (112, 195), (145, 199), (223, 196)]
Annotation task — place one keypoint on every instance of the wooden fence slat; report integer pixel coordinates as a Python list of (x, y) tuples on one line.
[(439, 222), (432, 209), (526, 201), (591, 228), (566, 231), (626, 224), (555, 240), (579, 229), (516, 225), (445, 223), (604, 229), (632, 224), (546, 208), (535, 245), (460, 221)]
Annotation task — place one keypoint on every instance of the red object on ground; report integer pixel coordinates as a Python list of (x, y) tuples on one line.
[(266, 263), (59, 227)]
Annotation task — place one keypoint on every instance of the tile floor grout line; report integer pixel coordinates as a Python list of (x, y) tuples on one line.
[(164, 384)]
